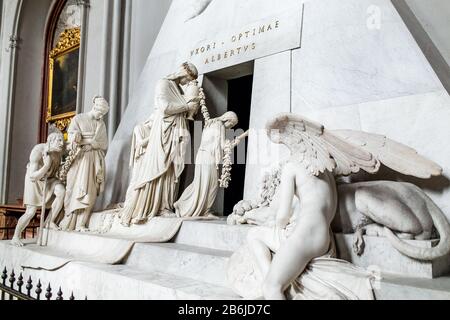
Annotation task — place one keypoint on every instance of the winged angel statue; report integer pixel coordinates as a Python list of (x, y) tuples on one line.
[(296, 225)]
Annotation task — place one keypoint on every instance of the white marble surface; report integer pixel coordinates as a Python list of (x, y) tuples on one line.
[(344, 62), (394, 287), (271, 95), (214, 235), (281, 31), (184, 267), (381, 256), (420, 121), (202, 264)]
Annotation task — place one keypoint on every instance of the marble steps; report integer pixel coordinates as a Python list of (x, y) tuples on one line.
[(379, 253), (126, 283), (212, 234), (395, 287), (197, 263), (111, 282)]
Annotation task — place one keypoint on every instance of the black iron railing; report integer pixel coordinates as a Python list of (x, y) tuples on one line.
[(12, 288)]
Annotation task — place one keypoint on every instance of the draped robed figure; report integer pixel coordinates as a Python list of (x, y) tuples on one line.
[(86, 176), (198, 199), (155, 178)]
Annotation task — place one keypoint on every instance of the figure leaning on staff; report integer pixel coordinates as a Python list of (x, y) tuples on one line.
[(42, 170), (86, 176)]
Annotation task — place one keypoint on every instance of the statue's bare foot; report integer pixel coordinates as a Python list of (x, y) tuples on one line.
[(53, 226), (83, 230), (16, 242), (359, 244)]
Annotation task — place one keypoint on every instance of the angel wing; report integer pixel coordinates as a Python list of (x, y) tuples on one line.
[(392, 154), (345, 152)]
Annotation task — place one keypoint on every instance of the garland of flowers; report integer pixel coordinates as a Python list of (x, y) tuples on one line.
[(227, 163), (204, 108), (64, 171)]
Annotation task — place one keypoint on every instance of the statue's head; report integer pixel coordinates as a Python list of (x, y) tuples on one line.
[(230, 119), (55, 142), (185, 74), (100, 107)]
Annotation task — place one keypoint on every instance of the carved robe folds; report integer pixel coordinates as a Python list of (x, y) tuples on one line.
[(86, 177), (155, 179), (198, 199)]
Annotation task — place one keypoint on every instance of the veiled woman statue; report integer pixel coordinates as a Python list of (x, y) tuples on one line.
[(154, 184), (198, 199)]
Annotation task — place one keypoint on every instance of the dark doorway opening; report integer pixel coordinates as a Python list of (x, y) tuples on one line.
[(228, 89), (239, 101)]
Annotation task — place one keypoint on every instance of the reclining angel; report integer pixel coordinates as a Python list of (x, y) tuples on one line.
[(295, 237)]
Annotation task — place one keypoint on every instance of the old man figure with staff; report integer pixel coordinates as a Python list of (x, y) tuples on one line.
[(42, 185)]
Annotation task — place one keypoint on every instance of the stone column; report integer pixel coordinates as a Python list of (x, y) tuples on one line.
[(115, 81), (8, 55), (85, 5), (126, 55)]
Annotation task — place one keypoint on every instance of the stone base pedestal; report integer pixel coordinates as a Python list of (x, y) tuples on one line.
[(380, 255), (192, 267)]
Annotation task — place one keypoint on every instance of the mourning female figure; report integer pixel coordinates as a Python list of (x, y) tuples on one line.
[(154, 185)]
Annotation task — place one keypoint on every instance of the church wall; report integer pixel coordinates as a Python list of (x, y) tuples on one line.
[(113, 72), (10, 9), (148, 16), (23, 132), (271, 96), (27, 96), (431, 21), (94, 74), (1, 15)]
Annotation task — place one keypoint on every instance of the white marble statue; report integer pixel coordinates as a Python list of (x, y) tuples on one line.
[(198, 199), (86, 173), (154, 185), (258, 212), (307, 201), (380, 208), (41, 176), (139, 144)]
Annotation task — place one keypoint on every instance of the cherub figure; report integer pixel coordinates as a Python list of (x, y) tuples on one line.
[(307, 201)]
